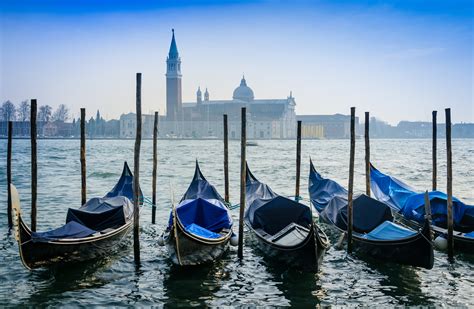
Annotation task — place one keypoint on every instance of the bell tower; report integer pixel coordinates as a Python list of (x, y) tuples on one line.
[(174, 103)]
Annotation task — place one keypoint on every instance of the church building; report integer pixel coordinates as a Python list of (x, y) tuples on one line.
[(266, 118)]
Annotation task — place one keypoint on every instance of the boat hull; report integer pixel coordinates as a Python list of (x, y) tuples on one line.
[(307, 256), (39, 254), (461, 243), (415, 251), (193, 251)]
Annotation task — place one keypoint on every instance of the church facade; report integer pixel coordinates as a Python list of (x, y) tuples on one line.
[(266, 118)]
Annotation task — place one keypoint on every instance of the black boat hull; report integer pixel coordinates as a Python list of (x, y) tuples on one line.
[(189, 250), (307, 256), (414, 251), (461, 243), (39, 254)]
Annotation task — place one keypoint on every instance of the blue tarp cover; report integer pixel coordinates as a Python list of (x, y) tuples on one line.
[(201, 210), (471, 234), (389, 231), (411, 204), (199, 230), (330, 199), (69, 230), (270, 211), (211, 215)]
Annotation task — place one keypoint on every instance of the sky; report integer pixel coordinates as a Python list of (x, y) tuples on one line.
[(397, 59)]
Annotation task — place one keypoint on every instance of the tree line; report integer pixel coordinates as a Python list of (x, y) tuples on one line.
[(10, 112)]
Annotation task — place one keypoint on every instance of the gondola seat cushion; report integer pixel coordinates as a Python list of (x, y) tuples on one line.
[(70, 230), (102, 213), (210, 215)]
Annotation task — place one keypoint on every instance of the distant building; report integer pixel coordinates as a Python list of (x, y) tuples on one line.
[(128, 125), (326, 126), (266, 118)]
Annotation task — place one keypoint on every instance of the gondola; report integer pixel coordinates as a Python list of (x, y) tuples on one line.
[(203, 228), (374, 232), (94, 229), (407, 204), (283, 228)]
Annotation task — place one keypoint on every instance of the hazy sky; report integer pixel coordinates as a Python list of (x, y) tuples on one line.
[(397, 59)]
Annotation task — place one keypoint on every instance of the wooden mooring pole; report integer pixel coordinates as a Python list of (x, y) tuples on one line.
[(136, 173), (226, 160), (351, 183), (367, 154), (83, 156), (449, 185), (435, 168), (243, 175), (298, 160), (34, 167), (155, 163), (9, 174)]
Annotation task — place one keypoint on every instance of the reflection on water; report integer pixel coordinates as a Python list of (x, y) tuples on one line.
[(344, 280)]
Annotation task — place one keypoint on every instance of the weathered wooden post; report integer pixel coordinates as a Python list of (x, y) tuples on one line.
[(435, 168), (83, 156), (226, 160), (136, 173), (351, 183), (298, 160), (34, 167), (367, 154), (155, 162), (243, 175), (9, 174), (449, 184)]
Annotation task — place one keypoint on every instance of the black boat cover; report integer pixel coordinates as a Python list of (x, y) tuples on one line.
[(98, 214), (330, 199), (271, 212), (102, 213), (202, 211)]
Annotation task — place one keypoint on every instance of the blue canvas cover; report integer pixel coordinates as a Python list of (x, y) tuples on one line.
[(97, 214), (411, 204), (202, 211), (330, 199), (69, 230), (389, 231), (270, 211)]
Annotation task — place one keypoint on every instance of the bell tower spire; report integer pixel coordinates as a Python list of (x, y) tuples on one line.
[(174, 105)]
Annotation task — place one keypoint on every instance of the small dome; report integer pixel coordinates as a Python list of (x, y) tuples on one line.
[(243, 92)]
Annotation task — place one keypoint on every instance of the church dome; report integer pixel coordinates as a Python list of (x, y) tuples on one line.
[(243, 92)]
